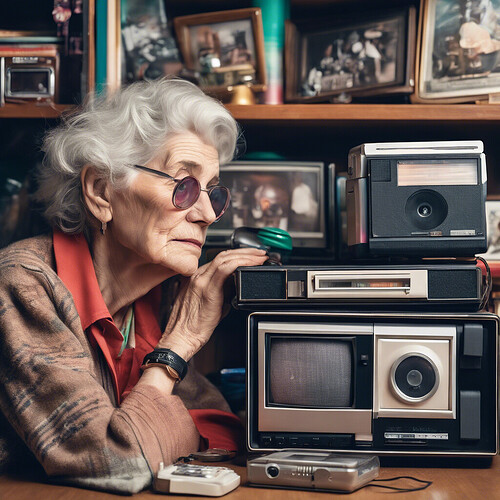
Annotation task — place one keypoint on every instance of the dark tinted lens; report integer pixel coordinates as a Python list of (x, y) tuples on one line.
[(219, 197), (186, 192)]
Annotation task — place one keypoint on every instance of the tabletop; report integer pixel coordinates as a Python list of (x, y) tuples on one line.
[(456, 480)]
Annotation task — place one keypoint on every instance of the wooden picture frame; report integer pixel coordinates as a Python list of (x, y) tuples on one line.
[(341, 58), (224, 48), (458, 55)]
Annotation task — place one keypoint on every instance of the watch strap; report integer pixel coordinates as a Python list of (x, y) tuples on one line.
[(166, 357)]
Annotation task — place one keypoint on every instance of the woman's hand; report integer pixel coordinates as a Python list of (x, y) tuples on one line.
[(198, 307)]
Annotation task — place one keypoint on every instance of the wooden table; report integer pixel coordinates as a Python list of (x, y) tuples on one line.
[(447, 484)]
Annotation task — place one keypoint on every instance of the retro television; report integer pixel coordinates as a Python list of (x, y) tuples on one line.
[(291, 195), (374, 382)]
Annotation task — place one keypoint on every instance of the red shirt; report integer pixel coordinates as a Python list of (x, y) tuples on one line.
[(74, 265)]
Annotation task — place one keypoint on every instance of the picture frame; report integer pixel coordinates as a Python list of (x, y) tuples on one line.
[(148, 47), (458, 51), (224, 49), (492, 231), (342, 58), (263, 194)]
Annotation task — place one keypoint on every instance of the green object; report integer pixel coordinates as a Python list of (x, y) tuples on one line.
[(275, 238), (127, 327), (263, 155), (274, 13), (101, 45)]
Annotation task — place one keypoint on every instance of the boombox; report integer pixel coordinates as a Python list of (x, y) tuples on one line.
[(445, 285), (377, 383), (29, 73), (418, 198)]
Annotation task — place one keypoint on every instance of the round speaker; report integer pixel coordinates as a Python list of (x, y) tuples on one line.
[(414, 377), (426, 209)]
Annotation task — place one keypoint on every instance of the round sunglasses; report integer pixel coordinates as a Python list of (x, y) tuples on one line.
[(188, 190)]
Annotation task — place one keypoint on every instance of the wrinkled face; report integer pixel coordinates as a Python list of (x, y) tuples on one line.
[(145, 222)]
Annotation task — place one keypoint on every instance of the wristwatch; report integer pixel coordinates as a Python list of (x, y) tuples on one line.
[(167, 359)]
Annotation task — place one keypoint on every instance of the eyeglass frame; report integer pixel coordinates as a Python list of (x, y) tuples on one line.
[(206, 190)]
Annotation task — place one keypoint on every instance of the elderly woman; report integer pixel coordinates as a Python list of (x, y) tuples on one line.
[(88, 366)]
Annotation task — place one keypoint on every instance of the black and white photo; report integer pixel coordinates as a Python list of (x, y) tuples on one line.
[(366, 57), (149, 49)]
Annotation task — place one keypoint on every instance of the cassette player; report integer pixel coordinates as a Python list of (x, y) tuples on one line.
[(445, 285), (423, 199)]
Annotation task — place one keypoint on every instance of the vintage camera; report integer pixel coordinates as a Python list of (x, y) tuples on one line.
[(29, 73), (373, 382), (424, 199)]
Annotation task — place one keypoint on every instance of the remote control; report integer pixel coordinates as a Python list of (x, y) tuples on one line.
[(192, 479)]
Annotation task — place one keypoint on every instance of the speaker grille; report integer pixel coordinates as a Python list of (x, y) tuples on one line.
[(263, 285), (453, 284)]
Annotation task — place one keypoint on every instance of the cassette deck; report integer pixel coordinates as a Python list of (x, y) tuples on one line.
[(444, 285)]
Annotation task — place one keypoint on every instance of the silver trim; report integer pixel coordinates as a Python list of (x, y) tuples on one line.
[(418, 287), (394, 453), (424, 147), (46, 69), (399, 393), (340, 420), (423, 333)]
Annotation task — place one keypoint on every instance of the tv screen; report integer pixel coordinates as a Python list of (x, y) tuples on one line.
[(309, 372), (287, 195)]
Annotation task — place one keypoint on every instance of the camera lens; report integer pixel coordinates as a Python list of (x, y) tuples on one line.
[(272, 470), (424, 210)]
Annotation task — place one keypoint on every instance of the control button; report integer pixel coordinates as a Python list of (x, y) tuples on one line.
[(364, 358), (272, 470), (305, 442), (294, 442), (319, 442), (280, 441), (342, 441), (266, 440)]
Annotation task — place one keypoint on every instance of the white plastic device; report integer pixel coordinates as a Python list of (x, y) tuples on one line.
[(192, 479)]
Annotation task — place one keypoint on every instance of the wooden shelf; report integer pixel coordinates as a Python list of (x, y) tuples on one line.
[(33, 111), (338, 113), (316, 113)]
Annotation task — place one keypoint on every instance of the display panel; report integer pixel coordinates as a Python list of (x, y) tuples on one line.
[(30, 82), (310, 372), (449, 172)]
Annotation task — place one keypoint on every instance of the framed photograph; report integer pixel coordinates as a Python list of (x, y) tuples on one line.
[(287, 195), (493, 230), (344, 58), (149, 49), (459, 50), (224, 48)]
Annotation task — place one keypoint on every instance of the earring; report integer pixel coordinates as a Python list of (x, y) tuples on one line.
[(104, 225)]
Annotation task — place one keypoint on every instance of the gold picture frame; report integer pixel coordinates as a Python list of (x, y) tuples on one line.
[(224, 49)]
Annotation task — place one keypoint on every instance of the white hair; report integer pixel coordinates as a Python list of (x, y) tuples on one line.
[(128, 127)]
